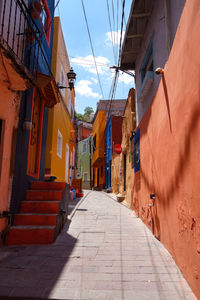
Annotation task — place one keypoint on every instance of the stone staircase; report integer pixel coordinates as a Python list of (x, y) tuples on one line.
[(41, 215)]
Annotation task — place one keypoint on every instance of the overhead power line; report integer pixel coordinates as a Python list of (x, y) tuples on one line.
[(120, 44), (117, 21), (113, 13), (111, 33), (112, 91), (92, 47), (56, 4), (124, 14)]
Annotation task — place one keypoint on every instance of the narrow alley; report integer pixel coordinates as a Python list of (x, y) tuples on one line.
[(103, 252)]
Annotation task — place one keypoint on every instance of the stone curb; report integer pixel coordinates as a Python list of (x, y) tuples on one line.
[(77, 205)]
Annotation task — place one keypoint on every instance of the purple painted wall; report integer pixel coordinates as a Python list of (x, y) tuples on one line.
[(156, 30)]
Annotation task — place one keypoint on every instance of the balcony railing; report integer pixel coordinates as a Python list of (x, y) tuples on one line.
[(21, 34)]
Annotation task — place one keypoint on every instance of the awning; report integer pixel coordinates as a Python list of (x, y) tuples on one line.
[(140, 14), (48, 88)]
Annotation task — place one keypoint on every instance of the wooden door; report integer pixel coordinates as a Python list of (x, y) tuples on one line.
[(35, 136)]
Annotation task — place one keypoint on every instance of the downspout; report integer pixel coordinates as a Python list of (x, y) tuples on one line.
[(167, 26)]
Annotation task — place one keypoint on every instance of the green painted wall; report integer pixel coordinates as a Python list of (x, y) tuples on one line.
[(84, 162)]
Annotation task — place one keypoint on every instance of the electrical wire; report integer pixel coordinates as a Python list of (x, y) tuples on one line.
[(124, 14), (120, 44), (117, 22), (113, 13), (92, 47), (115, 79), (111, 32), (89, 60), (113, 91), (56, 5)]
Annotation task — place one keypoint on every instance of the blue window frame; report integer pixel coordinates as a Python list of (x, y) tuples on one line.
[(137, 151)]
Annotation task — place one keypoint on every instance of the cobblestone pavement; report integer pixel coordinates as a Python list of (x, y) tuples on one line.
[(103, 252)]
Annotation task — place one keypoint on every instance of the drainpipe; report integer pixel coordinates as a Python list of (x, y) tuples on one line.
[(167, 26)]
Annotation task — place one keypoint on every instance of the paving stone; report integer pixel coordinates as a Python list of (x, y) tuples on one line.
[(104, 252)]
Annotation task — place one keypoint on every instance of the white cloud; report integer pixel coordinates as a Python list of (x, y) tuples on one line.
[(125, 78), (114, 37), (83, 88), (88, 63), (94, 80)]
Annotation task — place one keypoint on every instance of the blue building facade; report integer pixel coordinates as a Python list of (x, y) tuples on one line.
[(108, 154), (113, 136)]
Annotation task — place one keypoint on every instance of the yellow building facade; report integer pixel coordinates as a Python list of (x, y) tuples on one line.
[(98, 161), (60, 147)]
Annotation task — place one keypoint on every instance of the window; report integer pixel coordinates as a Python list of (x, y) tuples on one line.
[(59, 144), (94, 143), (84, 148), (62, 80), (85, 176), (147, 64), (137, 151), (45, 18)]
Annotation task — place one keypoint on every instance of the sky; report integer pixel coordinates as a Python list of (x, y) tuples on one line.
[(105, 29)]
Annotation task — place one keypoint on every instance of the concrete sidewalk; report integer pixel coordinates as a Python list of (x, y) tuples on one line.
[(103, 252)]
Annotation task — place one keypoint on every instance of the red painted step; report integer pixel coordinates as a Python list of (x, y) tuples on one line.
[(35, 219), (47, 185), (29, 235), (37, 222), (47, 207), (43, 195)]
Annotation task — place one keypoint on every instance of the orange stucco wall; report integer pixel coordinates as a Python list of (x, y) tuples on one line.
[(98, 160), (86, 132), (9, 109), (170, 151)]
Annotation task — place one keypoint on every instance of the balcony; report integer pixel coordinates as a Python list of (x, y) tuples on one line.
[(21, 49), (98, 157)]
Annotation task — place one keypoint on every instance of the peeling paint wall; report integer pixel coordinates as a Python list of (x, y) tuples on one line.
[(170, 152), (128, 125)]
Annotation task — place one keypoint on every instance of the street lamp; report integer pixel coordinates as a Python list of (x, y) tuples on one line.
[(71, 75)]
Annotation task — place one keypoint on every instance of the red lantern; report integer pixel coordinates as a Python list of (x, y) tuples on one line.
[(118, 148)]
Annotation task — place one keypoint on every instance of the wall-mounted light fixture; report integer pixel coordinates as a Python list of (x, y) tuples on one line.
[(71, 75), (159, 71)]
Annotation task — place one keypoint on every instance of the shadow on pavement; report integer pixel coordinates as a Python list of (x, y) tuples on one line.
[(33, 272)]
